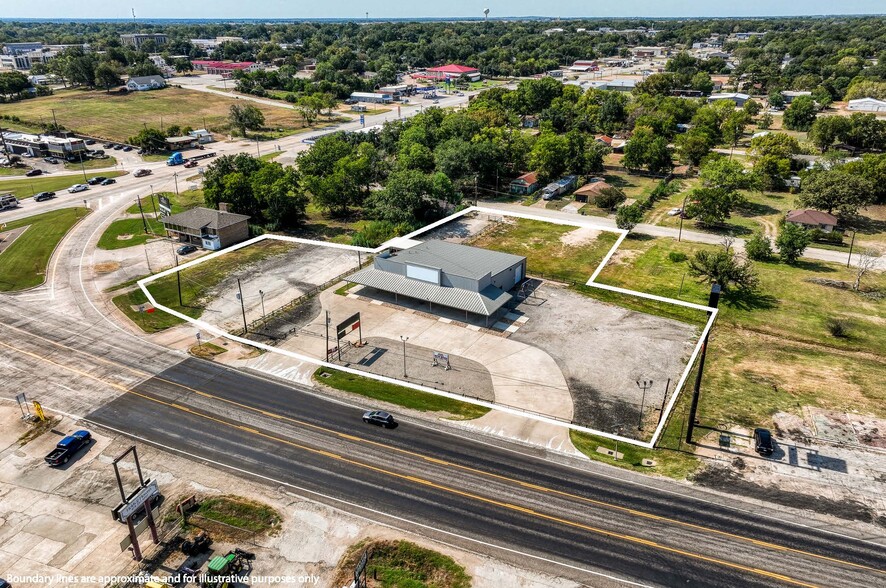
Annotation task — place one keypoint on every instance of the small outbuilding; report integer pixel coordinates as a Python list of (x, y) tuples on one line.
[(525, 184), (867, 105), (181, 143), (144, 83), (737, 97), (207, 228)]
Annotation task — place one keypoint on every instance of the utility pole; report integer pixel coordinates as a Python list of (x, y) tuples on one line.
[(82, 167), (404, 339), (327, 336), (142, 211), (713, 302), (262, 295), (175, 177), (154, 206), (644, 385), (178, 278), (257, 149), (242, 306), (682, 214), (54, 121)]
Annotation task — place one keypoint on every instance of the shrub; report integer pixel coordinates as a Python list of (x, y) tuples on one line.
[(609, 198), (820, 236), (677, 256), (758, 247), (838, 327)]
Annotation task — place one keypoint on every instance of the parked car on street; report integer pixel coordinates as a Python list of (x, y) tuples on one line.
[(90, 141), (379, 417), (185, 249), (107, 182), (78, 188), (127, 148), (68, 447), (51, 160), (108, 145), (118, 147), (763, 443), (34, 172), (44, 196), (96, 180)]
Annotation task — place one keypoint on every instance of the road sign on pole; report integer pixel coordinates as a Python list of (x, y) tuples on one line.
[(165, 205)]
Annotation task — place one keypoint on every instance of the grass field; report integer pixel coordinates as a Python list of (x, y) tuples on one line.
[(673, 464), (23, 264), (134, 231), (399, 395), (197, 284), (180, 202), (116, 117), (13, 171), (545, 253), (401, 564), (27, 187), (93, 163), (240, 512), (772, 351)]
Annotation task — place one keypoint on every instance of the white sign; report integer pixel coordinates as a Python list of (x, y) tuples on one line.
[(138, 501)]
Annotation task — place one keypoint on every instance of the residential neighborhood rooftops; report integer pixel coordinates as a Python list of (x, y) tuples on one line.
[(198, 218)]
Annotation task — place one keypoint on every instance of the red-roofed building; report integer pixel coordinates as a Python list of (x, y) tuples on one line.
[(812, 219), (452, 71), (224, 68), (525, 184)]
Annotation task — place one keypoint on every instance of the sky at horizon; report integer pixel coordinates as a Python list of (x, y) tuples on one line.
[(287, 9)]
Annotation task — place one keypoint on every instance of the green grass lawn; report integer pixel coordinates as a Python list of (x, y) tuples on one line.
[(400, 395), (240, 512), (27, 187), (93, 163), (13, 171), (674, 464), (180, 202), (270, 156), (117, 117), (197, 284), (545, 253), (401, 564), (636, 187), (133, 227), (23, 264)]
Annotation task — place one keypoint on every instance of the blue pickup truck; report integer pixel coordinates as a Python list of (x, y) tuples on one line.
[(67, 447)]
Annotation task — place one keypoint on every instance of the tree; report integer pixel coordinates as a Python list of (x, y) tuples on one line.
[(282, 202), (245, 117), (778, 144), (724, 173), (752, 107), (776, 100), (309, 107), (645, 149), (149, 139), (771, 171), (826, 130), (13, 83), (711, 206), (837, 191), (733, 127), (800, 114), (758, 247), (549, 156), (609, 198), (765, 121), (182, 65), (868, 260), (792, 241), (628, 217), (724, 267), (693, 146)]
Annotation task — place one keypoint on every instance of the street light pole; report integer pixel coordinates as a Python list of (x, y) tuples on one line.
[(242, 306), (404, 339), (645, 385), (175, 177), (82, 167), (262, 295)]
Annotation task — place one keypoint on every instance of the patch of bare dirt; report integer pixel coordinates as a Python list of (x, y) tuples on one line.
[(624, 256), (124, 237), (106, 267), (579, 236)]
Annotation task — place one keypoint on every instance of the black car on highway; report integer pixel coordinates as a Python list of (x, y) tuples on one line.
[(380, 417), (107, 182), (96, 180), (44, 196)]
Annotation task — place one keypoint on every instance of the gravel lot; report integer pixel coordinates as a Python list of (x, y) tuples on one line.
[(603, 350)]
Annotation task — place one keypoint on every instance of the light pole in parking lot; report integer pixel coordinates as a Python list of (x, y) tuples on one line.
[(175, 177), (643, 385), (404, 339), (617, 430), (261, 294)]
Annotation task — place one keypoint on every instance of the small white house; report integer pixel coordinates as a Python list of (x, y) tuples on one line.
[(143, 83), (867, 105), (202, 136)]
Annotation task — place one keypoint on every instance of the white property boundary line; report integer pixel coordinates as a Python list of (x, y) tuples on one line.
[(490, 211)]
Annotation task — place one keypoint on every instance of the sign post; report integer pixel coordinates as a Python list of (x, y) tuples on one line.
[(165, 205), (345, 327), (38, 410), (23, 404)]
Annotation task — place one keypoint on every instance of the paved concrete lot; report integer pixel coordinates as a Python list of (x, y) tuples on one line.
[(602, 350)]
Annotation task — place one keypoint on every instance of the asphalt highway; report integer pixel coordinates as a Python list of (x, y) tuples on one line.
[(594, 529)]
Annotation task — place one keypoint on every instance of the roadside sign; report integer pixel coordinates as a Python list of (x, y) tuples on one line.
[(38, 410), (350, 324), (139, 529), (137, 500), (440, 357), (165, 205)]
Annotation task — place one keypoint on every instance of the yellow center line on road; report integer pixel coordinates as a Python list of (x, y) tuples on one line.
[(523, 483), (429, 483)]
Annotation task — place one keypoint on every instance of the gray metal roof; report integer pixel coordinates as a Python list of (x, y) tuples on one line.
[(198, 218), (457, 260), (485, 302)]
